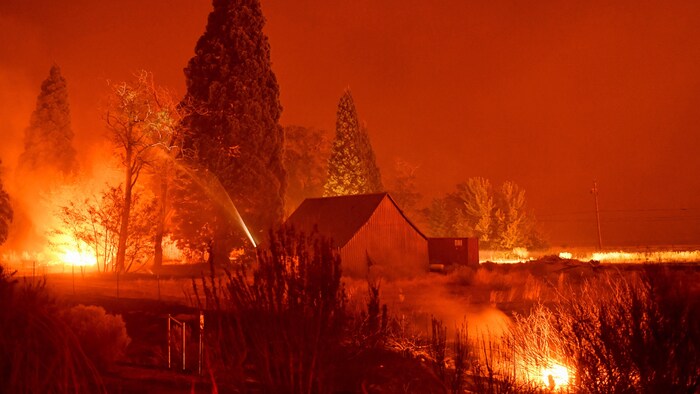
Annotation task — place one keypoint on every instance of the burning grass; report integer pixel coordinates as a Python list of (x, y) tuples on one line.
[(629, 256), (544, 326)]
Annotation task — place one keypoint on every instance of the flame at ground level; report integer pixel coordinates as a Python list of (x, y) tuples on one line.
[(555, 376), (610, 256), (552, 375), (79, 258)]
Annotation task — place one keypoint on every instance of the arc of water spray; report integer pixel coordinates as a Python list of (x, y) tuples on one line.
[(220, 196)]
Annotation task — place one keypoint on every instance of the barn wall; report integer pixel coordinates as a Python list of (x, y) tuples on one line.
[(397, 249)]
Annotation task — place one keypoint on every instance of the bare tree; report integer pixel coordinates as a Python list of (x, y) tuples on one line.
[(94, 224), (142, 121)]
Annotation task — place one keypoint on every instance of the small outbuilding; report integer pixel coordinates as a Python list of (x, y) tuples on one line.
[(370, 230), (453, 251)]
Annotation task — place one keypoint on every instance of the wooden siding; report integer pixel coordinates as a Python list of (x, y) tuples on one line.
[(395, 247)]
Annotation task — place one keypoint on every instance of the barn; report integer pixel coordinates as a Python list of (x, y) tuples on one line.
[(369, 230)]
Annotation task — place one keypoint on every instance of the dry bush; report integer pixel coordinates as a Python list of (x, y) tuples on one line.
[(537, 347), (289, 318), (640, 334), (38, 351), (102, 336), (368, 329), (438, 348), (494, 369), (463, 275)]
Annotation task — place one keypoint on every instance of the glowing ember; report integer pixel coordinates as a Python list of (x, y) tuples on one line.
[(565, 255), (555, 376), (75, 257)]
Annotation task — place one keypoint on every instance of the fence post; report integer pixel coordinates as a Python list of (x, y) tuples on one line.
[(201, 333), (183, 346), (168, 341)]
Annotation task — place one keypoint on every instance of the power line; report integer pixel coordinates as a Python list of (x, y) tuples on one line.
[(618, 210)]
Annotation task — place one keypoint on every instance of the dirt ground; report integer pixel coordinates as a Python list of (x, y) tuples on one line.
[(486, 299)]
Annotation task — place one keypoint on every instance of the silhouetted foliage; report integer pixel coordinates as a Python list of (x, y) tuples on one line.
[(102, 336), (38, 352), (403, 188), (640, 335), (236, 135), (6, 212), (48, 141), (352, 167), (288, 316), (203, 213), (94, 223), (440, 217), (306, 153)]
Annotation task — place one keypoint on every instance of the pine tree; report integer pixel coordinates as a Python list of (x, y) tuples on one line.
[(6, 213), (352, 168), (48, 141), (236, 133)]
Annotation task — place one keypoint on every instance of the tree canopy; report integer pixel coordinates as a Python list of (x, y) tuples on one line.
[(352, 167), (141, 121), (499, 218), (48, 141), (6, 213), (235, 134), (306, 153)]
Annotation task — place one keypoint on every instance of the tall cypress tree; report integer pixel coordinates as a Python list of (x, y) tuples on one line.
[(352, 168), (235, 132), (48, 141)]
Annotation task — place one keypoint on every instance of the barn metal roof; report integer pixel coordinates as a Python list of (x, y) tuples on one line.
[(339, 217)]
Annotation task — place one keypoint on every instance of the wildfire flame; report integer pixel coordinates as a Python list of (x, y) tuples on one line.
[(555, 376), (79, 258), (619, 256)]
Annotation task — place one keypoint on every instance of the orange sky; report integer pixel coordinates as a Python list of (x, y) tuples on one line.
[(548, 94)]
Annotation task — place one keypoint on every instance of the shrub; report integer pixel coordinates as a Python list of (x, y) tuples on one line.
[(289, 317), (38, 351), (636, 335), (102, 336), (463, 276)]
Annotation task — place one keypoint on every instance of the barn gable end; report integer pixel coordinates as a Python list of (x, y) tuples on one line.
[(366, 226), (393, 245)]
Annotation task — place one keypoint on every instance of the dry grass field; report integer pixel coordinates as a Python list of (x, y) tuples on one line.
[(495, 328)]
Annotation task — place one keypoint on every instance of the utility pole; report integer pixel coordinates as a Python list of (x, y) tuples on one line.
[(597, 213)]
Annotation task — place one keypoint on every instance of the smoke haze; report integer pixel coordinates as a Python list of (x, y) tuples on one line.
[(549, 95)]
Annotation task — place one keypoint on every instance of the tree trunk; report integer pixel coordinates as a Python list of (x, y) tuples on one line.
[(160, 226), (126, 209)]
